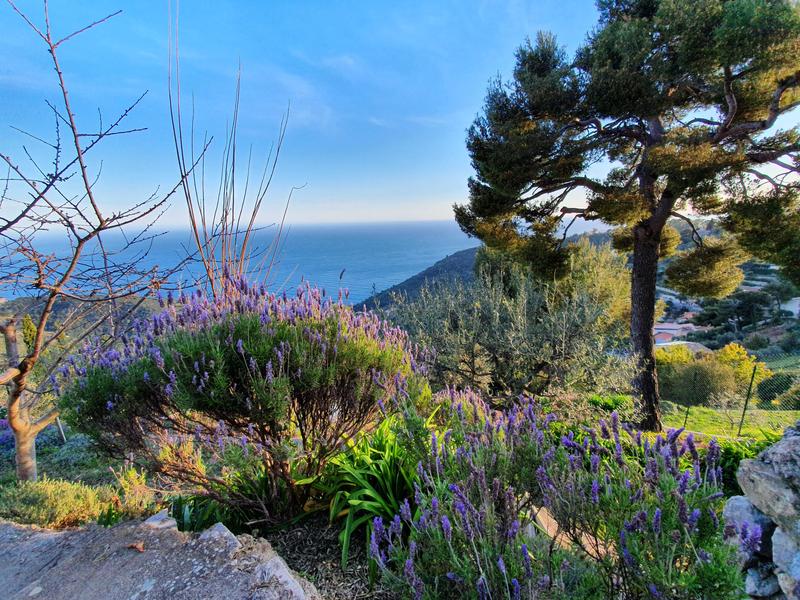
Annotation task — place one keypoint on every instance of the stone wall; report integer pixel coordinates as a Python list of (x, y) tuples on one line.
[(769, 513)]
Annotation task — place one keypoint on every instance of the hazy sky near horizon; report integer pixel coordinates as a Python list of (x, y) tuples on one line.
[(381, 92)]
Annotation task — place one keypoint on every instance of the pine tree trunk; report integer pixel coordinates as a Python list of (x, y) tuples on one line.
[(25, 442), (643, 303)]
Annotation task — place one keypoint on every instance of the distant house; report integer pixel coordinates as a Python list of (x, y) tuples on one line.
[(673, 328), (665, 332), (663, 337)]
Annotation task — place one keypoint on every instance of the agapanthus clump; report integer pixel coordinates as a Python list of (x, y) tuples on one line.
[(509, 505), (244, 395)]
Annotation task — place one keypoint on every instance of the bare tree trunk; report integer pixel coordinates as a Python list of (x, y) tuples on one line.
[(26, 455), (24, 435), (643, 302)]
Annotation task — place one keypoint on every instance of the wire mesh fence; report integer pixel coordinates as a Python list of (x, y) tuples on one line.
[(748, 399)]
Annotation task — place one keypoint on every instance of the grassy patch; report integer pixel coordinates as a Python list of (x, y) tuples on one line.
[(73, 460), (53, 503), (723, 423), (784, 363)]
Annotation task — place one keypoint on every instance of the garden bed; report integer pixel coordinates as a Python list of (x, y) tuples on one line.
[(311, 548)]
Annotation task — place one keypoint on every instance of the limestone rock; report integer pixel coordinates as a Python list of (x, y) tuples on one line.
[(143, 562), (282, 585), (761, 581), (220, 536), (786, 554), (788, 586), (161, 520), (771, 481), (739, 510)]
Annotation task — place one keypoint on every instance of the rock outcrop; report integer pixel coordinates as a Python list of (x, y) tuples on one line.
[(149, 560), (771, 507)]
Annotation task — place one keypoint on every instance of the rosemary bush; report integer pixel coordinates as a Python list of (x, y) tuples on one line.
[(245, 398)]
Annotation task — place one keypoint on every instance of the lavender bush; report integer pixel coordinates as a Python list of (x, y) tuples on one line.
[(6, 436), (508, 506), (245, 398)]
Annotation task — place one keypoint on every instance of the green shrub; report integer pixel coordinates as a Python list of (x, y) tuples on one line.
[(698, 382), (769, 351), (790, 341), (135, 497), (756, 341), (774, 387), (53, 503), (370, 480), (732, 452), (507, 332), (708, 378), (611, 402), (246, 397), (724, 339), (198, 513)]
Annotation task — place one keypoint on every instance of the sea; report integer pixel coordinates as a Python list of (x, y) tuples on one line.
[(361, 258)]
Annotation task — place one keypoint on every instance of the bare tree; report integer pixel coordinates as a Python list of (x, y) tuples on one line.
[(66, 247)]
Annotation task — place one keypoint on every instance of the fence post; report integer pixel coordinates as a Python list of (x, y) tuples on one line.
[(747, 399)]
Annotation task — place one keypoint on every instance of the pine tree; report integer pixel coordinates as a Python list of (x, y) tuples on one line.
[(677, 104)]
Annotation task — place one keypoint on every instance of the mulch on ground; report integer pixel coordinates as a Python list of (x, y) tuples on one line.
[(311, 548)]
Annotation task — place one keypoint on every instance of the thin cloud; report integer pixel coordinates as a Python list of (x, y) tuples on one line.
[(377, 122)]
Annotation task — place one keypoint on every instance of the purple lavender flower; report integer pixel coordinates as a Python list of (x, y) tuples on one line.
[(750, 537), (526, 561), (417, 587), (626, 555), (712, 514), (693, 519), (515, 589), (683, 482), (396, 526), (454, 577), (405, 511), (683, 509), (513, 529), (375, 540), (447, 528), (501, 564)]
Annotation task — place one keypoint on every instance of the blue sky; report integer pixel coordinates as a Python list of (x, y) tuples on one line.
[(381, 92)]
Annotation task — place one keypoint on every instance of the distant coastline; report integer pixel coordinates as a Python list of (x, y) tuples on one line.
[(456, 266)]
